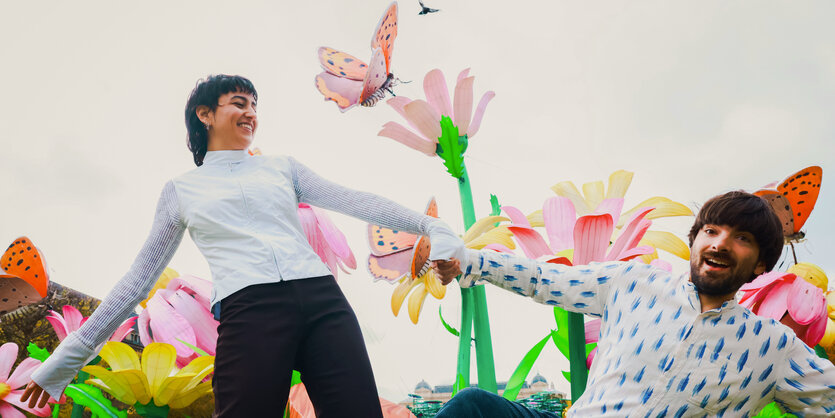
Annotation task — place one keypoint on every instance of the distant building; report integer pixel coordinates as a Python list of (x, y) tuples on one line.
[(442, 393)]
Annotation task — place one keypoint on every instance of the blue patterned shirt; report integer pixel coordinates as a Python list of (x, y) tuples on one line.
[(658, 354)]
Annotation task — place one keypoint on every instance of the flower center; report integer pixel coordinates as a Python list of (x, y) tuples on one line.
[(4, 390)]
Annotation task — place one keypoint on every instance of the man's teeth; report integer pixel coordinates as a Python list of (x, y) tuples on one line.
[(717, 262)]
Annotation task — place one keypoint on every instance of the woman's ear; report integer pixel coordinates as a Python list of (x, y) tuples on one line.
[(204, 114)]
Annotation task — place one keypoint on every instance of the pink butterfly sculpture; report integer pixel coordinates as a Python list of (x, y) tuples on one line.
[(179, 315), (348, 81), (327, 241), (12, 386), (776, 293), (73, 320)]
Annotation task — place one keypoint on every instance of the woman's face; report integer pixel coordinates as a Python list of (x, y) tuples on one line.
[(233, 123)]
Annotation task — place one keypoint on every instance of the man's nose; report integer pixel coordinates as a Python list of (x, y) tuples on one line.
[(721, 242)]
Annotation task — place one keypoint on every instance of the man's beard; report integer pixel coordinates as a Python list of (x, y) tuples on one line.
[(733, 280)]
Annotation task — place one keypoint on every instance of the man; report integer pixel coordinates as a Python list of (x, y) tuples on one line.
[(674, 346)]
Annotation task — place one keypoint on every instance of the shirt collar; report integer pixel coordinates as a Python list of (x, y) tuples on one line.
[(693, 297), (225, 156)]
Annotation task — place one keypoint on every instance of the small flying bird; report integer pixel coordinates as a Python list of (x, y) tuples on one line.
[(425, 10)]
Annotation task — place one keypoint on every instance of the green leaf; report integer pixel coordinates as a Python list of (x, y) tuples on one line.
[(821, 352), (494, 204), (36, 352), (773, 411), (448, 327), (567, 376), (151, 410), (91, 397), (589, 348), (451, 147), (196, 350), (561, 336), (296, 379), (517, 379)]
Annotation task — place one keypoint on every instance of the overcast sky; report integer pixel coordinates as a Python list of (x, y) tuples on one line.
[(695, 98)]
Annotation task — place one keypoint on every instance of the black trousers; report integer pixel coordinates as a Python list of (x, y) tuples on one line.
[(268, 330)]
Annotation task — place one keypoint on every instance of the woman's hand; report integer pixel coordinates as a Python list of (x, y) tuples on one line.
[(35, 391)]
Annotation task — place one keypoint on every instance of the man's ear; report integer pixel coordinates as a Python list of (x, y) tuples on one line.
[(760, 269), (203, 113)]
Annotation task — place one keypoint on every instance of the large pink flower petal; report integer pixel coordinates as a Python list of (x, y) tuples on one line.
[(664, 265), (168, 326), (479, 113), (426, 118), (123, 330), (805, 301), (334, 237), (462, 75), (531, 242), (463, 104), (591, 238), (14, 398), (635, 252), (8, 355), (437, 93), (816, 330), (775, 304), (201, 289), (516, 216), (763, 280), (72, 317), (592, 331), (627, 240), (498, 248), (8, 411), (201, 320), (612, 206), (23, 372), (559, 216), (144, 325), (58, 324), (406, 137), (398, 103), (590, 358)]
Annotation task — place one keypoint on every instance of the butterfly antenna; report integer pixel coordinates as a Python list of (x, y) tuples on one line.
[(791, 244)]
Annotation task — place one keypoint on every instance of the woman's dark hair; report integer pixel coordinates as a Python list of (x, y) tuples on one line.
[(746, 212), (206, 93)]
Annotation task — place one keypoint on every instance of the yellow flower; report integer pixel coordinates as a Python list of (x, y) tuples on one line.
[(162, 282), (155, 378)]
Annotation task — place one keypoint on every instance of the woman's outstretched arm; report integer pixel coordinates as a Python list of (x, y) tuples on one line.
[(82, 346)]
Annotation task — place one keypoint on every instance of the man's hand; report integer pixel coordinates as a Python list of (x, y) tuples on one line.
[(446, 270), (35, 391)]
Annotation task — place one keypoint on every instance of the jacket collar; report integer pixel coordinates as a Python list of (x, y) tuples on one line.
[(225, 157)]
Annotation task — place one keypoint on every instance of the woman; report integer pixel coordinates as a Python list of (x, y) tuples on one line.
[(278, 305)]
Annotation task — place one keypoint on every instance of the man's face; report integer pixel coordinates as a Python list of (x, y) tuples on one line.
[(723, 258)]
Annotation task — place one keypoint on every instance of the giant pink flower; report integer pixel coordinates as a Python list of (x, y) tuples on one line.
[(327, 241), (72, 320), (12, 387), (424, 116), (180, 315), (775, 293)]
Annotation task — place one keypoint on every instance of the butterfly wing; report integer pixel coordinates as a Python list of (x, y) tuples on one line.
[(781, 207), (390, 267), (385, 241), (22, 259), (376, 76), (420, 260), (343, 91), (342, 64), (15, 293), (801, 190), (385, 33)]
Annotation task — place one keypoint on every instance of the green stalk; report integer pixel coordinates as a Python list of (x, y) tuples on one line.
[(577, 354), (462, 379), (481, 321)]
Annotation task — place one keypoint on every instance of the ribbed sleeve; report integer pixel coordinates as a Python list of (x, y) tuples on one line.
[(81, 346), (369, 207)]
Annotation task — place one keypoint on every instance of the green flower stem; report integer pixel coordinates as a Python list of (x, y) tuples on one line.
[(465, 337), (476, 307), (577, 354)]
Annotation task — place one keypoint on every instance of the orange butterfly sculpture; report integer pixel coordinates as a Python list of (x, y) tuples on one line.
[(793, 200), (348, 81), (23, 275), (395, 254)]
